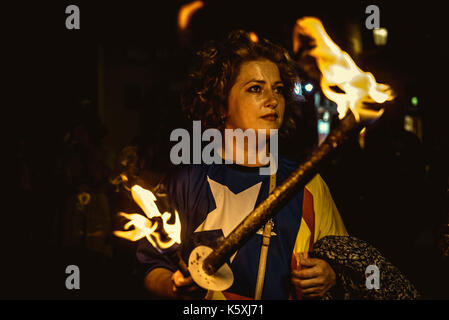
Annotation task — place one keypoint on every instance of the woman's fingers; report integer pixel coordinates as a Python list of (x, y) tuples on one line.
[(305, 261), (311, 291), (307, 283), (180, 281), (306, 273), (186, 288)]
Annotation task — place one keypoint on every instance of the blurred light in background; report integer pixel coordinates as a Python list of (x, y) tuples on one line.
[(413, 125), (323, 130), (317, 100), (380, 36), (323, 127), (297, 89), (408, 123), (253, 37), (355, 38), (414, 101), (308, 87), (186, 12)]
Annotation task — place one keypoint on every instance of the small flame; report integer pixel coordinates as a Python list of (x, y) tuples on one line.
[(339, 70), (186, 12), (146, 200), (253, 36), (148, 226)]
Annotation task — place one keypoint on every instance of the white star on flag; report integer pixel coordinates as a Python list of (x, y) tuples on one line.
[(230, 209)]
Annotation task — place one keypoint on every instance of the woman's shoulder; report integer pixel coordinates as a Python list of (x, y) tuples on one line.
[(182, 174), (290, 164), (181, 181)]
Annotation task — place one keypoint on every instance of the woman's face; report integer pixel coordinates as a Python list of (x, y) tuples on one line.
[(256, 99)]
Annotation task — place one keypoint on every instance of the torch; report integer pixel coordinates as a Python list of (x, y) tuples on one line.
[(357, 92), (164, 237)]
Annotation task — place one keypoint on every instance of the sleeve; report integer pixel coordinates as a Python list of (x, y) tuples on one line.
[(150, 258), (328, 221), (171, 195)]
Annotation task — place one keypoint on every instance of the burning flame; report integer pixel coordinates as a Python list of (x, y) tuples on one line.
[(253, 36), (186, 12), (148, 226), (339, 70)]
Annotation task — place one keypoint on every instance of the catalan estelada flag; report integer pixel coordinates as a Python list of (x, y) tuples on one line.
[(213, 199)]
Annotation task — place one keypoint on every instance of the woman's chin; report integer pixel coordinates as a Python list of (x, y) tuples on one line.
[(269, 126)]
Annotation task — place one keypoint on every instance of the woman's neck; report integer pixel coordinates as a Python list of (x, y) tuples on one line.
[(245, 153)]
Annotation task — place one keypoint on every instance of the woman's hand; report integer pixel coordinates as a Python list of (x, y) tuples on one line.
[(164, 284), (185, 288), (314, 277)]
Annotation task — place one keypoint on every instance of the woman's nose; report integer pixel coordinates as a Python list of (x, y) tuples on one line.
[(271, 100)]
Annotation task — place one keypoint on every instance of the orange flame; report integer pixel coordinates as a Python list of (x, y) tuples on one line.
[(253, 36), (338, 69), (186, 12), (144, 227)]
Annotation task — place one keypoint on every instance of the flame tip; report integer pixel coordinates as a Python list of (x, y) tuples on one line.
[(339, 69), (144, 226)]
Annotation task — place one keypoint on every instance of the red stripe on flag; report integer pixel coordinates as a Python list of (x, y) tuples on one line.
[(233, 296), (308, 214)]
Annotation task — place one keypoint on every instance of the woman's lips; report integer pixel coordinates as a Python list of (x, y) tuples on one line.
[(270, 117)]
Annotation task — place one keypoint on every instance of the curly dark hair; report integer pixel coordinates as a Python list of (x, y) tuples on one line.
[(206, 93)]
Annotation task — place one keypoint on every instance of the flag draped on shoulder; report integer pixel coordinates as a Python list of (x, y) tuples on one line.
[(213, 199)]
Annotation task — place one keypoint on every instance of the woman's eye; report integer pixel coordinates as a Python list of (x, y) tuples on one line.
[(255, 89), (279, 89)]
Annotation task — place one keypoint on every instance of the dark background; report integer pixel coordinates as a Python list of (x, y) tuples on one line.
[(80, 96)]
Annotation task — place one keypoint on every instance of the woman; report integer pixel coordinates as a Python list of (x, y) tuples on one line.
[(244, 84)]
